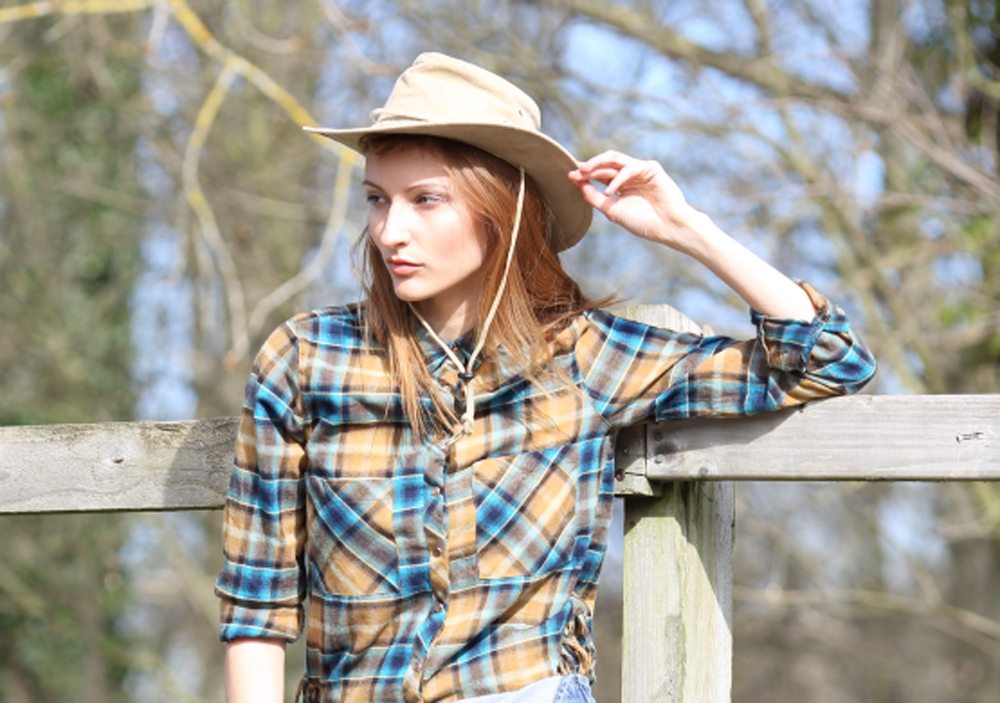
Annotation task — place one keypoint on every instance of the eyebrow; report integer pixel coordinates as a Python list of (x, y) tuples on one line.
[(416, 186)]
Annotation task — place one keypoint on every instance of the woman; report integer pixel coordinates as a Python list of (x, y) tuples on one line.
[(433, 467)]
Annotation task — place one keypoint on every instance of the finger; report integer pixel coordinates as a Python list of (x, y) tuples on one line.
[(603, 175), (580, 180), (608, 159), (632, 174), (595, 198)]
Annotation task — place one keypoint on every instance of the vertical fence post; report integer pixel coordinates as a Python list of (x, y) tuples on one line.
[(677, 642)]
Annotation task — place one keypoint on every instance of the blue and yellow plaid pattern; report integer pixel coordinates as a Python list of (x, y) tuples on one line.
[(440, 571)]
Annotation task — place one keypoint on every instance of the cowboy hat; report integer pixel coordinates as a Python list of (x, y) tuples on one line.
[(445, 97)]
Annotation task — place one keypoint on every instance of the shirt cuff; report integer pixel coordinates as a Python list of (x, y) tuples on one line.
[(239, 620), (787, 343)]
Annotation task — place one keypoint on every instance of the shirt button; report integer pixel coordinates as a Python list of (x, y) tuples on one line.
[(418, 665), (435, 491), (438, 608), (437, 551)]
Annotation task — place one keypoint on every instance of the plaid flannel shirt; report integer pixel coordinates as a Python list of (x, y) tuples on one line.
[(439, 572)]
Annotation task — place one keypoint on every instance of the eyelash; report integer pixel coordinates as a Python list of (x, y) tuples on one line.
[(422, 199)]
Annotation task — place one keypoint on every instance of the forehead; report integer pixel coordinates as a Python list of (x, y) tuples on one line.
[(408, 162)]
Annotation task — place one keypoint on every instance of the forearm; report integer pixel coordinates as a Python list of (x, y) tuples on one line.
[(255, 671), (642, 198), (763, 287)]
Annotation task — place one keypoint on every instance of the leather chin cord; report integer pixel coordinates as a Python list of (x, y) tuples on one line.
[(467, 373)]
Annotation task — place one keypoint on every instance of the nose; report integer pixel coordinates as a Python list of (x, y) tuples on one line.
[(388, 225)]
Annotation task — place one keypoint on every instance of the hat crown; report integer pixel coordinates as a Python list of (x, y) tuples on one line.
[(442, 89)]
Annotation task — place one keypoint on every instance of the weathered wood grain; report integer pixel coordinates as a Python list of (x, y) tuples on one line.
[(678, 584), (859, 438), (677, 592), (115, 466)]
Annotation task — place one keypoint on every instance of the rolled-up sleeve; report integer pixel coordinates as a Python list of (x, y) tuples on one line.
[(262, 584), (635, 373)]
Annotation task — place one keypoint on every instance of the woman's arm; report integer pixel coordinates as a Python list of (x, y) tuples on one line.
[(642, 198), (255, 671), (263, 580)]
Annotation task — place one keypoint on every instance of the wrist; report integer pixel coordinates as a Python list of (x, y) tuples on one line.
[(702, 238), (691, 218)]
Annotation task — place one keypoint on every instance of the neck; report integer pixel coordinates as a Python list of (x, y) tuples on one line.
[(449, 322)]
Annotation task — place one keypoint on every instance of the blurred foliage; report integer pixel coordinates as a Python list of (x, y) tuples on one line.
[(160, 211), (70, 226), (69, 252)]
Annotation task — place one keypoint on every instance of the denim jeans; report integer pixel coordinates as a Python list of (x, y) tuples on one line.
[(571, 688), (574, 689)]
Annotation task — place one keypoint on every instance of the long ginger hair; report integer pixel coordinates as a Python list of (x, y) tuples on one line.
[(539, 297)]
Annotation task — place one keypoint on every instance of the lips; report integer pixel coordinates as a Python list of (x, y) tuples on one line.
[(401, 267)]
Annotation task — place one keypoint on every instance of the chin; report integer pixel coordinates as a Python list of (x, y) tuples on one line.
[(408, 296)]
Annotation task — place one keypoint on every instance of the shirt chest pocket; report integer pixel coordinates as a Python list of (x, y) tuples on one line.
[(525, 512), (352, 545)]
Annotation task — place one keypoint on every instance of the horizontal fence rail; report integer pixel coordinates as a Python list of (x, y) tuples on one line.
[(858, 438), (185, 465), (116, 466)]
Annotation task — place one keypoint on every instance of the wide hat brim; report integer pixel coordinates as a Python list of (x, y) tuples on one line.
[(442, 96)]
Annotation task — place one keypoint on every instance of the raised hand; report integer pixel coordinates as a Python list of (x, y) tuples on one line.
[(639, 196)]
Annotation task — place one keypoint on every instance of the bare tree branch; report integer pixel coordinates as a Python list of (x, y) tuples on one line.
[(206, 217), (761, 71), (328, 243), (975, 628)]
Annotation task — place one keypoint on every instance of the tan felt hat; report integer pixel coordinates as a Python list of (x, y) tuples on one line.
[(446, 97)]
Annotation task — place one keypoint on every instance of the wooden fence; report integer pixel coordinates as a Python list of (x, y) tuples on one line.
[(677, 480)]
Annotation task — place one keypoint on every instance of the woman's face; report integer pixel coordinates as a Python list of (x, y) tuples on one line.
[(426, 234)]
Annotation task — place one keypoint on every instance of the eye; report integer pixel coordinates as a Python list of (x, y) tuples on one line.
[(429, 199), (373, 198)]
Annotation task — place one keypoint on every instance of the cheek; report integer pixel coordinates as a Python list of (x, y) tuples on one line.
[(468, 242), (465, 248), (373, 220), (467, 254)]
